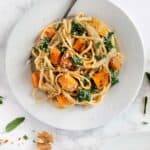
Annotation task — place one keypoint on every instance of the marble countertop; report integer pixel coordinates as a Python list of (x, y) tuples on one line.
[(129, 121)]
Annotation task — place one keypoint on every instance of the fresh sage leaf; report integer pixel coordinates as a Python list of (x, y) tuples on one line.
[(97, 44), (77, 61), (114, 77), (44, 44), (145, 104), (77, 29), (83, 95), (107, 41), (14, 124)]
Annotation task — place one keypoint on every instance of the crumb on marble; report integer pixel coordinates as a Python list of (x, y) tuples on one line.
[(44, 141)]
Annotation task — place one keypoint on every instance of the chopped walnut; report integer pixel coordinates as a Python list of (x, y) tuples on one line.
[(44, 141), (43, 146)]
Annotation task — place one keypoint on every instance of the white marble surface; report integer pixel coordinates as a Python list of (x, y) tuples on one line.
[(129, 121)]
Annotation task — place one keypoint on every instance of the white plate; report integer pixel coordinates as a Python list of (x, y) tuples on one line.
[(132, 141), (76, 118)]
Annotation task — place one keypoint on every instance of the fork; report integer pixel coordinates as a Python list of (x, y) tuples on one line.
[(30, 59)]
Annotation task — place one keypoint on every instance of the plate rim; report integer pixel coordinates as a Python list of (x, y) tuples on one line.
[(125, 107)]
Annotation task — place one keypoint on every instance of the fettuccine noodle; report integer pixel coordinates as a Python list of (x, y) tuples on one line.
[(75, 61)]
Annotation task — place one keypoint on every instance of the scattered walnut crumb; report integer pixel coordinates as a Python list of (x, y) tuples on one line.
[(4, 141), (44, 141), (43, 146)]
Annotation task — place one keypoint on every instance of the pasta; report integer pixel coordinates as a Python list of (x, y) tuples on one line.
[(75, 61)]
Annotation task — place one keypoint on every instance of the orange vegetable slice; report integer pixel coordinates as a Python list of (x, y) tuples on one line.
[(55, 56), (35, 79), (79, 45), (101, 78)]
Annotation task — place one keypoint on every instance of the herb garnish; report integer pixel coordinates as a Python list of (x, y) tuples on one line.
[(44, 44), (1, 99), (107, 41), (14, 123), (77, 29), (85, 81), (148, 76), (62, 48), (94, 88), (145, 104), (144, 122), (114, 77), (97, 44), (77, 61), (83, 95), (25, 137), (98, 57)]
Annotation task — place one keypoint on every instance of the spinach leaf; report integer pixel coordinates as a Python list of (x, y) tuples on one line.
[(25, 137), (97, 44), (14, 123), (114, 77), (145, 104), (77, 61), (94, 88), (83, 95), (107, 41), (44, 44), (62, 48), (84, 81), (98, 57), (77, 29)]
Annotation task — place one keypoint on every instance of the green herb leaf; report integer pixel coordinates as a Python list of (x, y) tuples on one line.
[(107, 41), (1, 99), (1, 102), (114, 77), (148, 76), (14, 123), (44, 44), (62, 48), (83, 95), (84, 81), (94, 88), (98, 57), (97, 44), (144, 123), (77, 29), (25, 137), (77, 61), (145, 104)]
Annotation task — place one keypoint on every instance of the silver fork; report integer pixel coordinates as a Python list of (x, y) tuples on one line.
[(30, 59)]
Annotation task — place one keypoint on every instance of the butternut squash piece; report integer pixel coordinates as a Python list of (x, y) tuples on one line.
[(35, 79), (49, 32), (79, 45), (67, 82), (63, 101), (55, 56), (101, 78), (102, 28), (116, 62)]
